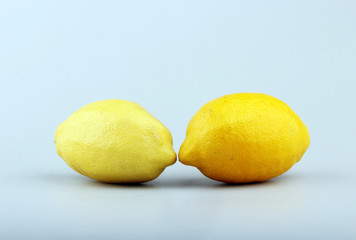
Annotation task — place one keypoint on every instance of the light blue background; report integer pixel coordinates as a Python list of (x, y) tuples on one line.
[(172, 57)]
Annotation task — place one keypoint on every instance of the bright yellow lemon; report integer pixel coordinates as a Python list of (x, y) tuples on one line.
[(244, 137)]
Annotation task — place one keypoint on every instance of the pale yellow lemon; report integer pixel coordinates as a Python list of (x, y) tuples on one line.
[(115, 141), (244, 137)]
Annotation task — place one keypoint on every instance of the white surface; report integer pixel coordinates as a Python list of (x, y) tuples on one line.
[(306, 203), (172, 57)]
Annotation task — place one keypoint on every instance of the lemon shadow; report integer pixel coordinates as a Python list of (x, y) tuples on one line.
[(94, 183), (169, 183), (204, 182), (79, 180)]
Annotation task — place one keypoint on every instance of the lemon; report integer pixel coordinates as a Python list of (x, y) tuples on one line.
[(244, 137), (115, 141)]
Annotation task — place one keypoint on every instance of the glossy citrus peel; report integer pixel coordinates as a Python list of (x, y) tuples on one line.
[(244, 137)]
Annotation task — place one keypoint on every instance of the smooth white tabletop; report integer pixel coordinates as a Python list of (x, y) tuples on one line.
[(172, 57), (308, 202)]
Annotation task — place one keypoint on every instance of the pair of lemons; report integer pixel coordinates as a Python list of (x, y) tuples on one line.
[(237, 138)]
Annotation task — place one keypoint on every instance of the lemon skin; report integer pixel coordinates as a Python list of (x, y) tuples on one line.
[(243, 138), (115, 141)]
